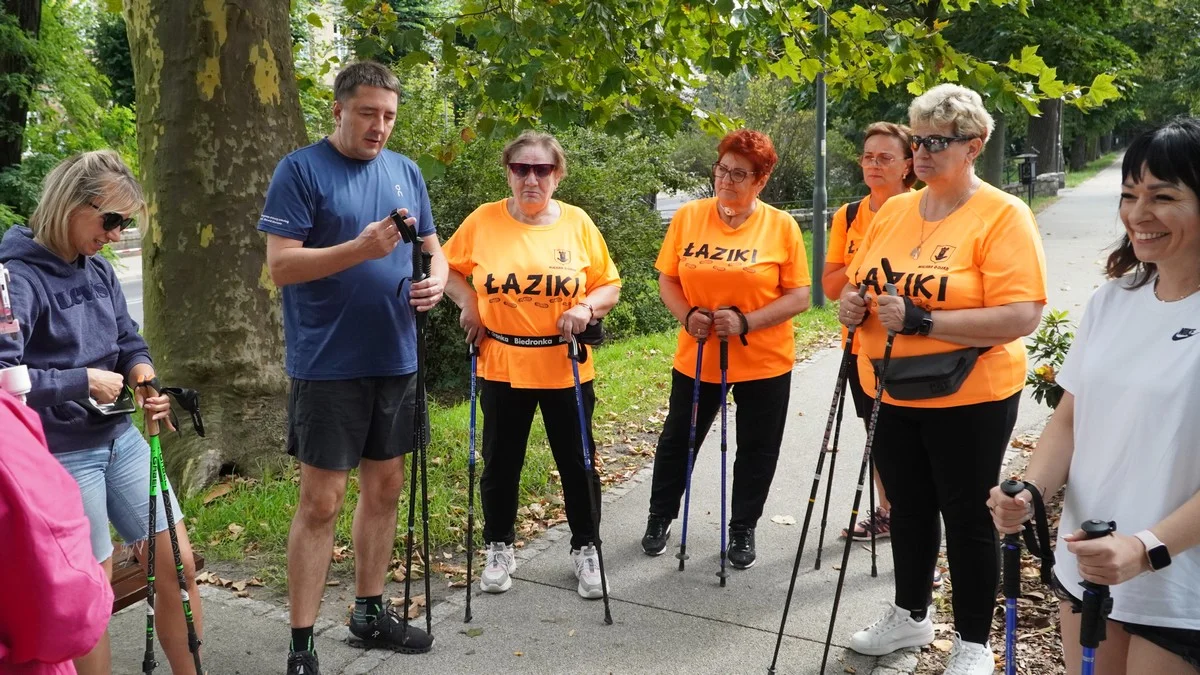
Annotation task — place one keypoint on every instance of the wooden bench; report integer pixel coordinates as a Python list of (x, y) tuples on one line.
[(129, 580)]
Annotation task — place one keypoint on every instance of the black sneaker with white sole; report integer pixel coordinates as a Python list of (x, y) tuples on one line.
[(389, 631), (741, 548), (303, 663), (658, 531)]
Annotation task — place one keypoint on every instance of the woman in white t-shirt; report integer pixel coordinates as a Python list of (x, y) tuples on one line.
[(1126, 435)]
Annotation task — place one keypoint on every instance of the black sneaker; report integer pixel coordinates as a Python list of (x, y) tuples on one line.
[(658, 530), (303, 663), (388, 631), (741, 548)]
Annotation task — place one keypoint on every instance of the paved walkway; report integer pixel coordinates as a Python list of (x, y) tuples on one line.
[(666, 621)]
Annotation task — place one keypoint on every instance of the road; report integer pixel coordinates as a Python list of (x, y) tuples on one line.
[(129, 271)]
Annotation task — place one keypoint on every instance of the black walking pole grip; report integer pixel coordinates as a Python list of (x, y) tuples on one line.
[(1097, 603), (1012, 547)]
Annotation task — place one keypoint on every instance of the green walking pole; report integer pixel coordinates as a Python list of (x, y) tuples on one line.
[(159, 486)]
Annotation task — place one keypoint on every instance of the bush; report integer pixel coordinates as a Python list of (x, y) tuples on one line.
[(1047, 353)]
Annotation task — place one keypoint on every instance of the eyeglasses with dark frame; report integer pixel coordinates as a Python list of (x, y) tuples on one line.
[(539, 170), (736, 175), (112, 220), (936, 144)]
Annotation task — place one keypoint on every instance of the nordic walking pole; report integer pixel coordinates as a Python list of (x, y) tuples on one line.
[(473, 350), (835, 408), (160, 485), (871, 504), (862, 476), (1012, 584), (1097, 603), (575, 353), (687, 492), (723, 574), (421, 262)]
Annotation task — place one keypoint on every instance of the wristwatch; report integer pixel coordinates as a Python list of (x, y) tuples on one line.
[(1156, 551), (926, 324)]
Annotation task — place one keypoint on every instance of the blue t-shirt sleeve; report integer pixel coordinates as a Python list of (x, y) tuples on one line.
[(289, 208), (425, 224)]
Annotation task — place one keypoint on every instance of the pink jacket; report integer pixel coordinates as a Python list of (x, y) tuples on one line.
[(55, 600)]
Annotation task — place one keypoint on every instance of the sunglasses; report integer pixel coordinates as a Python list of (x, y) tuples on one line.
[(936, 144), (113, 221), (736, 175), (539, 170)]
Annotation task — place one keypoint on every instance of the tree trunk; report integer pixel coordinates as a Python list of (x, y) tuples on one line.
[(17, 65), (1079, 152), (993, 153), (1106, 143), (217, 107), (1045, 136)]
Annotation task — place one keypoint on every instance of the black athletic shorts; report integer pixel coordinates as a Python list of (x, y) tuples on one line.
[(332, 424), (1182, 642), (862, 400)]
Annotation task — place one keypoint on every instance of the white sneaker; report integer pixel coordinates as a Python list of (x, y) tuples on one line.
[(970, 658), (587, 571), (497, 574), (895, 630)]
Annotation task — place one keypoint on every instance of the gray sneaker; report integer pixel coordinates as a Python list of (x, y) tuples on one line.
[(587, 571), (497, 574)]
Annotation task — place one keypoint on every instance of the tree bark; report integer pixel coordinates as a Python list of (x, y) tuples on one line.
[(992, 163), (1044, 136), (217, 107), (17, 62), (1079, 152)]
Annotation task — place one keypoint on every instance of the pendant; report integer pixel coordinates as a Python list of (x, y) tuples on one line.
[(916, 252)]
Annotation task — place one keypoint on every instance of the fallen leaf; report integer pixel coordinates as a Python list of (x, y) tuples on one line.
[(398, 574), (784, 520), (571, 633), (943, 645), (217, 491), (235, 530), (242, 594), (518, 653), (850, 669), (206, 578), (333, 582), (238, 586), (472, 632)]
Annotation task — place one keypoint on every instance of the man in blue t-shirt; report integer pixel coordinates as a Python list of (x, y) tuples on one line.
[(351, 347)]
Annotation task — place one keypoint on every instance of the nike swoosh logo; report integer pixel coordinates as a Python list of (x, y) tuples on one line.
[(1183, 334)]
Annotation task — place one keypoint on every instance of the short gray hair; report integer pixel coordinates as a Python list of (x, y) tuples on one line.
[(531, 137), (954, 105), (78, 181), (368, 73)]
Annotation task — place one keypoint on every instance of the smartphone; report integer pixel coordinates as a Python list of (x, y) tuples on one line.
[(124, 404)]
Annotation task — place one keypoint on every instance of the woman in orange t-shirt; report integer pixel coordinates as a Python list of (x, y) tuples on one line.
[(887, 170), (730, 267), (540, 274), (967, 262)]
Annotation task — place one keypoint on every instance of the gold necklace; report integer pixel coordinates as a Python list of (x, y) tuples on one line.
[(1182, 297), (916, 252)]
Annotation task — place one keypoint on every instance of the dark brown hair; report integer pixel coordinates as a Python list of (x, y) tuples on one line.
[(368, 73), (900, 133), (1171, 153)]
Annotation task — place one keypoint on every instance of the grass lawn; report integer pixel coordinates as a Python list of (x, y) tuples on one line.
[(248, 520)]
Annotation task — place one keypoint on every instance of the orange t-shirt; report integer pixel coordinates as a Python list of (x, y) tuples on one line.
[(748, 267), (988, 253), (526, 276), (845, 241)]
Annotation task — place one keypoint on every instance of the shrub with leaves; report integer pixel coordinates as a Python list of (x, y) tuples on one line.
[(1047, 352)]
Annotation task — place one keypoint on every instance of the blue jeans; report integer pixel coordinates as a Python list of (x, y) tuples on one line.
[(114, 480)]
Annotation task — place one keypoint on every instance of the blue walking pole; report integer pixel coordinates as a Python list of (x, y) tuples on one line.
[(723, 574), (1012, 584), (474, 353), (687, 492), (1097, 603)]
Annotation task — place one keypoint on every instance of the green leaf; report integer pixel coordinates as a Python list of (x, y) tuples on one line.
[(809, 69), (430, 167), (315, 19), (415, 58), (1050, 85)]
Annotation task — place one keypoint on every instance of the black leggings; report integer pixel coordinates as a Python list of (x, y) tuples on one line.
[(507, 417), (761, 416), (945, 460)]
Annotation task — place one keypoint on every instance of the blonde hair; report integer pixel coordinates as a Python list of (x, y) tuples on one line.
[(954, 105), (83, 180), (530, 137)]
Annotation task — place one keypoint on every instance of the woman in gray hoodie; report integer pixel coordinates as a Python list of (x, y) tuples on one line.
[(82, 350)]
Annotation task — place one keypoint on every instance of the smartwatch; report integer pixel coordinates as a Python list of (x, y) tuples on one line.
[(1156, 551)]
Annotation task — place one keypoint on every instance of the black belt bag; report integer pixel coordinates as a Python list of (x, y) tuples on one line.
[(592, 335), (913, 378)]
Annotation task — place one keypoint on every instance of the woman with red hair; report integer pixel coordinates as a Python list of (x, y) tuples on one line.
[(734, 268)]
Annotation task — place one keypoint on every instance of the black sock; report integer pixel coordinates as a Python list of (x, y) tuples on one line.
[(368, 608), (302, 639), (918, 614)]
